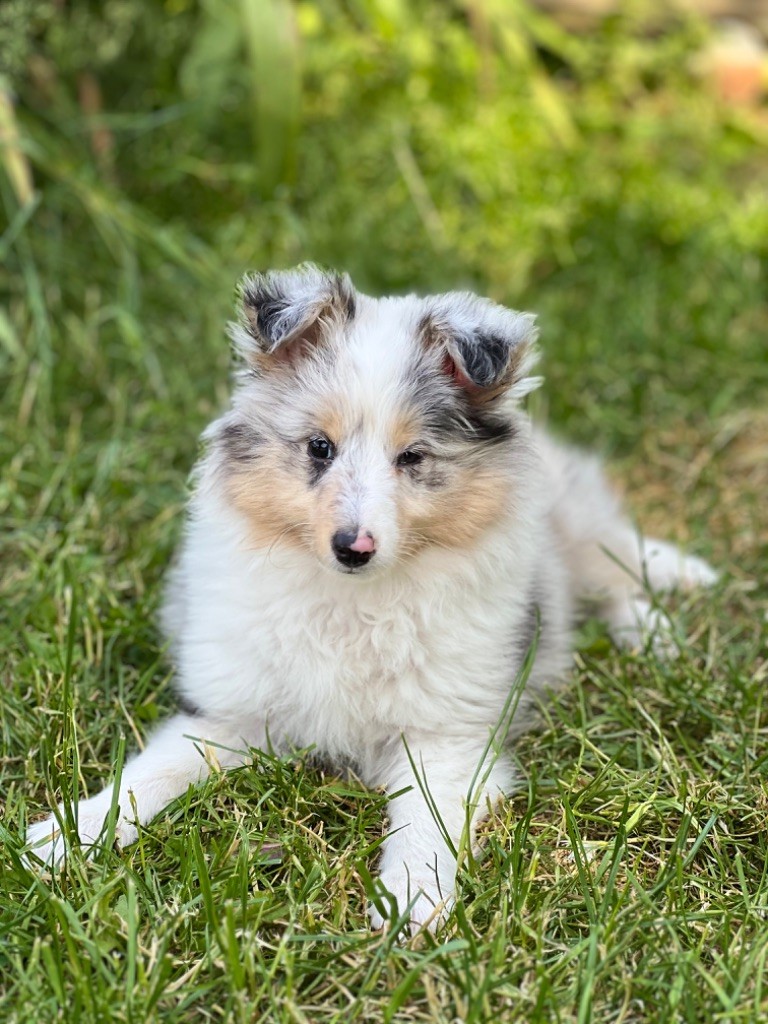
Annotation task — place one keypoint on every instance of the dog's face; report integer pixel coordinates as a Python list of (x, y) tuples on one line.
[(365, 430)]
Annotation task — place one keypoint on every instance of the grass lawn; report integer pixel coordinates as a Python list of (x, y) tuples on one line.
[(594, 180)]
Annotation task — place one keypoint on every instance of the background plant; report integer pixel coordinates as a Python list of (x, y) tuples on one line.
[(151, 152)]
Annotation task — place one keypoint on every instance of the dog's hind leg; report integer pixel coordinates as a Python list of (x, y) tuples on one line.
[(610, 566), (655, 566)]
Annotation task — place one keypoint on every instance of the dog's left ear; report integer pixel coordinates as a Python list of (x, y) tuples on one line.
[(285, 314), (487, 349)]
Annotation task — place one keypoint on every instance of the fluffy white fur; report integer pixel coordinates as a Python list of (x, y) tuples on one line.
[(412, 661)]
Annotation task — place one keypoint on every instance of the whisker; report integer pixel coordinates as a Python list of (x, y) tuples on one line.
[(276, 540)]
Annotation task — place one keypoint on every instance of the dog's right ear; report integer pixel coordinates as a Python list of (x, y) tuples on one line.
[(285, 314)]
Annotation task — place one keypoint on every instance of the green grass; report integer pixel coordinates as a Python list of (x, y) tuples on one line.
[(591, 179)]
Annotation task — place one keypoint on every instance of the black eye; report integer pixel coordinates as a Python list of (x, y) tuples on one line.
[(410, 457), (320, 448)]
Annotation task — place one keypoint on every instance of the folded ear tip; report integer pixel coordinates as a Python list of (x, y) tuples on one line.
[(493, 346), (276, 306)]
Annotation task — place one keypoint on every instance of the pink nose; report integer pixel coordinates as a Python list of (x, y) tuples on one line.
[(353, 549), (363, 543)]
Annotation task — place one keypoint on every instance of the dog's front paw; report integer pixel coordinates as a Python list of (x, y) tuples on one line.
[(47, 844), (425, 902)]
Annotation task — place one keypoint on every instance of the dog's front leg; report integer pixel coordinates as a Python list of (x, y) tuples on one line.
[(446, 784), (181, 752)]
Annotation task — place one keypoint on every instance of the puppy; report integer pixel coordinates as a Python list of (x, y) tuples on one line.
[(378, 545)]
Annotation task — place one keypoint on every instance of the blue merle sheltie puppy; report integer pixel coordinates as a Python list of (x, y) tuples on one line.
[(377, 540)]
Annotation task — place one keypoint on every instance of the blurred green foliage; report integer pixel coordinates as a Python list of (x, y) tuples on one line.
[(152, 151), (418, 143)]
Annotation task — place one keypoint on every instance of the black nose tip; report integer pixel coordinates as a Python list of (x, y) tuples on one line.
[(342, 547)]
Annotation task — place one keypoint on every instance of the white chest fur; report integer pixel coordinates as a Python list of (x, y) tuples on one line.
[(335, 662)]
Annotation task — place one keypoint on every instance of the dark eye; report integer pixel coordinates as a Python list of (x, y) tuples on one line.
[(320, 448), (410, 457)]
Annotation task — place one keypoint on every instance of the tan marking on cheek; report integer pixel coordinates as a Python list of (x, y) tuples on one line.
[(459, 515), (274, 499), (279, 505)]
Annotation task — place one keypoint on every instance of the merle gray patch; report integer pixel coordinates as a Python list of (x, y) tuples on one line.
[(273, 317), (348, 298), (317, 469), (239, 442), (450, 415), (429, 474), (484, 357), (480, 428)]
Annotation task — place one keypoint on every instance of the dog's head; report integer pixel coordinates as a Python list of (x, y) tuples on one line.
[(366, 430)]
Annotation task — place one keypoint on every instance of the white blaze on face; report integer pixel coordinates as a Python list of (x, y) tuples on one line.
[(363, 479), (365, 392)]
